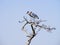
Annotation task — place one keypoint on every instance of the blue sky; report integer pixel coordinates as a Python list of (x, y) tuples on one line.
[(11, 11)]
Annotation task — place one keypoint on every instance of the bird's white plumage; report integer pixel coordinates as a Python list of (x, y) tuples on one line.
[(33, 16)]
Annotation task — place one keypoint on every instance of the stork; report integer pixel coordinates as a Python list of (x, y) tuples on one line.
[(33, 17)]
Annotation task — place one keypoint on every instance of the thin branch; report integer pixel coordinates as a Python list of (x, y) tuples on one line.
[(45, 27), (24, 27), (32, 36)]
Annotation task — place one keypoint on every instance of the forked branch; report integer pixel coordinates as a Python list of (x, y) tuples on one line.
[(36, 24)]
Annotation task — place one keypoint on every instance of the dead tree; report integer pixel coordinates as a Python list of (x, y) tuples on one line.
[(37, 25)]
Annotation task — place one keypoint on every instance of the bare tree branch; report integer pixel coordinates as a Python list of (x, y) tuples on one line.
[(32, 36), (36, 24)]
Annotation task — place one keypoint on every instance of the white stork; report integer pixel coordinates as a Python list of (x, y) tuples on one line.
[(33, 17)]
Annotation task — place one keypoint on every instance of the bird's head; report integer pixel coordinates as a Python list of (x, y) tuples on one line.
[(27, 12)]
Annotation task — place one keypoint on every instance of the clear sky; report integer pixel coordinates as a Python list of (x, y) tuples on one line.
[(11, 11)]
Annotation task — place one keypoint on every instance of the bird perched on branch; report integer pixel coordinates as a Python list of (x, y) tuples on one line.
[(33, 15)]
